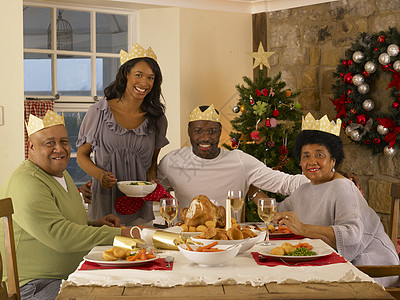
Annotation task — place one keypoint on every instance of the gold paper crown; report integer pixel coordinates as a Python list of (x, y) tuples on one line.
[(136, 52), (323, 124), (50, 119), (210, 114)]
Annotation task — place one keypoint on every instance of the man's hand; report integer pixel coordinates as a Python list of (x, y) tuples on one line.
[(86, 191), (109, 220)]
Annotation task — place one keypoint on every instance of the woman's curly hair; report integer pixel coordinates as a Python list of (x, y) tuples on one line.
[(332, 142), (152, 104)]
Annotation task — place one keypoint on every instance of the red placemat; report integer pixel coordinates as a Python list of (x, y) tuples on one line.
[(158, 264), (332, 258), (287, 237)]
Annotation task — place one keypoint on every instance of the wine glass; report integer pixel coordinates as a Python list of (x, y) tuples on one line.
[(237, 200), (266, 211), (168, 209)]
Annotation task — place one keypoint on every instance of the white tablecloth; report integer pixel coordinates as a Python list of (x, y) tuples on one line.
[(241, 270)]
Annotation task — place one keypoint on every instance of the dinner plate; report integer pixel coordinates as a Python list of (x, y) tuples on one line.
[(321, 252), (96, 256)]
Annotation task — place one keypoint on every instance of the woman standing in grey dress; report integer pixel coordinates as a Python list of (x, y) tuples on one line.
[(331, 207), (126, 131)]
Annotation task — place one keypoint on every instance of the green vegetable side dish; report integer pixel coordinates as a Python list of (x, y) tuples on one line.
[(301, 251), (140, 183)]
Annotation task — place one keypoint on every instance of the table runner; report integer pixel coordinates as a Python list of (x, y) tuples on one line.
[(332, 258)]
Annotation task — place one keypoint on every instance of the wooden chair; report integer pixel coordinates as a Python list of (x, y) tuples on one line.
[(394, 216), (6, 210)]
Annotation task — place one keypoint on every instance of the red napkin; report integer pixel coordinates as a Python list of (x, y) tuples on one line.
[(158, 264), (129, 205), (332, 258), (287, 237)]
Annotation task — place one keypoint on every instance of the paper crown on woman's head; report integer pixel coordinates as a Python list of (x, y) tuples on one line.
[(323, 124), (50, 119), (210, 114), (136, 52)]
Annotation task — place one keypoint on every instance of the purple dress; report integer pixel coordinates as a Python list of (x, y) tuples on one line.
[(126, 153)]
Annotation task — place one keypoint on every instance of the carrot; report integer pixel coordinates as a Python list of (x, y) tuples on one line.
[(143, 256), (189, 248), (212, 250), (199, 249), (136, 256), (305, 245), (150, 256), (210, 245)]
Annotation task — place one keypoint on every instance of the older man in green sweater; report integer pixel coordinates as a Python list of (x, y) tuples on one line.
[(52, 233)]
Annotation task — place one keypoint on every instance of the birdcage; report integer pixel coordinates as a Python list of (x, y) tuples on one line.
[(63, 33)]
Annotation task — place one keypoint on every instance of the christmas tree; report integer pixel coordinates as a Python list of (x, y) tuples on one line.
[(267, 126)]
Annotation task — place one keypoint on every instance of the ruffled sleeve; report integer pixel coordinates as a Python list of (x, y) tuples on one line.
[(88, 132), (161, 139)]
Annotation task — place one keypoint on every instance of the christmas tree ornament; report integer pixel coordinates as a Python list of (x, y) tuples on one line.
[(395, 105), (242, 108), (384, 59), (267, 123), (236, 109), (396, 65), (363, 88), (367, 142), (393, 50), (365, 73), (385, 67), (381, 39), (260, 108), (348, 78), (348, 130), (361, 119), (252, 102), (358, 56), (353, 111), (275, 112), (234, 144), (271, 92), (273, 122), (261, 57), (355, 135), (349, 62), (297, 105), (271, 144), (288, 93), (255, 135), (368, 104), (344, 63), (389, 151), (370, 67), (376, 141), (358, 79), (382, 130)]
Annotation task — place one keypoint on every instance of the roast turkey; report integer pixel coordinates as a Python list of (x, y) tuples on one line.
[(202, 210)]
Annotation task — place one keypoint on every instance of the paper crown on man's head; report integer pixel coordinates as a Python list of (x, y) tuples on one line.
[(210, 114), (136, 52), (50, 119), (323, 124)]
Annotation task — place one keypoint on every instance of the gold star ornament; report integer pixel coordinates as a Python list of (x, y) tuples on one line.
[(261, 57)]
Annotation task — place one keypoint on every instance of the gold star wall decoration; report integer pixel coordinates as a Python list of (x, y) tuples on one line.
[(261, 57)]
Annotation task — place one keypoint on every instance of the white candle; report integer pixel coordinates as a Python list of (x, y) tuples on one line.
[(228, 214)]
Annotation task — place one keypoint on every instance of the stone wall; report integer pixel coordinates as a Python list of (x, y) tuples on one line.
[(309, 43)]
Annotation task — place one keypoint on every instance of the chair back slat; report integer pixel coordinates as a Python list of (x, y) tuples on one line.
[(394, 216), (6, 210)]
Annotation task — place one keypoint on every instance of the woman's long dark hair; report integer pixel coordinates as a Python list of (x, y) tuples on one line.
[(152, 105)]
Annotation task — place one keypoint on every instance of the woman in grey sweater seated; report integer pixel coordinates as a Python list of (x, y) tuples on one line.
[(331, 207)]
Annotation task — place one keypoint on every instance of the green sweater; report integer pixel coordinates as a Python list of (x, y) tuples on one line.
[(50, 225)]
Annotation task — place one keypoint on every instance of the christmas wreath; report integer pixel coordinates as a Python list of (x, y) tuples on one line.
[(363, 119)]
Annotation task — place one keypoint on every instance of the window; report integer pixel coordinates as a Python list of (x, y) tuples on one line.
[(73, 52)]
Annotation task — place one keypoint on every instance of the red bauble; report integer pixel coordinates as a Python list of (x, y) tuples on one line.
[(385, 67), (349, 62), (275, 113), (349, 92), (252, 101), (344, 63), (348, 78), (255, 135), (395, 105), (341, 75), (365, 74), (376, 49), (267, 123), (361, 119), (381, 39), (376, 141)]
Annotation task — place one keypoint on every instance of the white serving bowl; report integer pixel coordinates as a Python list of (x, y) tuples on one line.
[(246, 244), (132, 190), (209, 258)]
